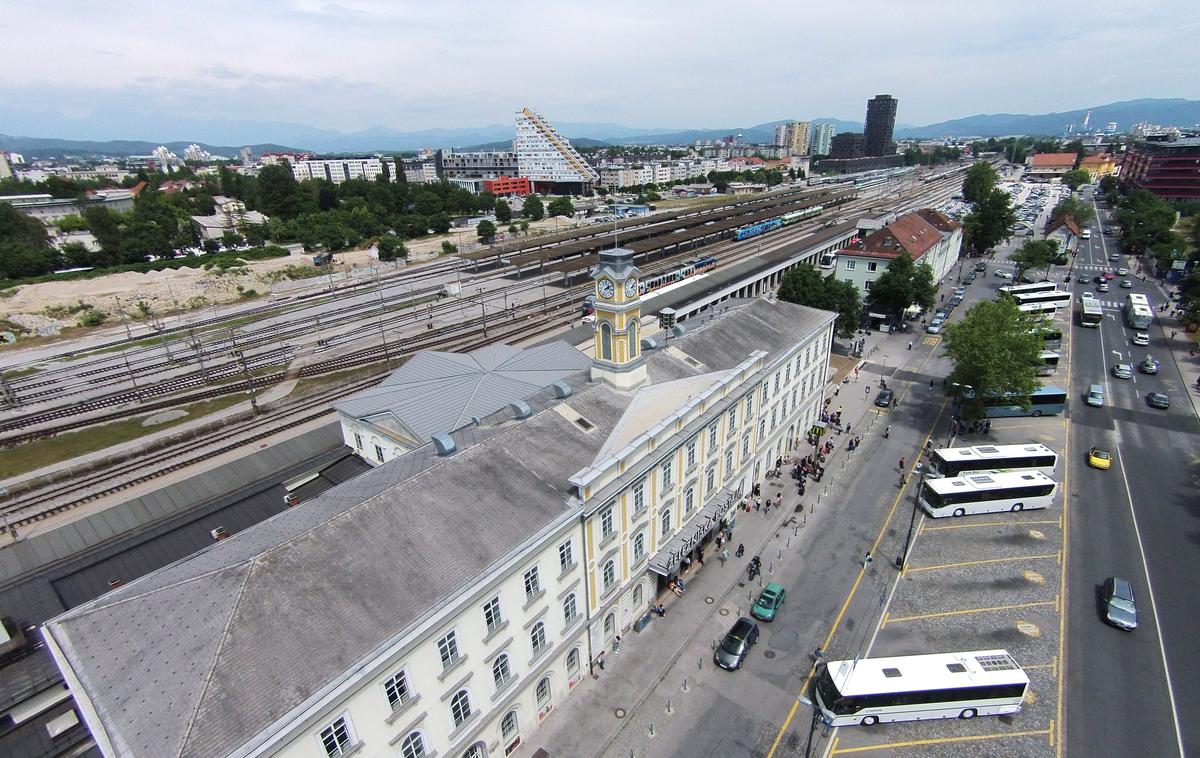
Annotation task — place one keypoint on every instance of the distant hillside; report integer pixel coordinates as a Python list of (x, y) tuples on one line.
[(42, 147), (1176, 111), (758, 134)]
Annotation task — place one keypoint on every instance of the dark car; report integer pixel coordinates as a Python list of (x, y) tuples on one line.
[(884, 398), (736, 644), (1098, 278), (1158, 400), (1120, 609)]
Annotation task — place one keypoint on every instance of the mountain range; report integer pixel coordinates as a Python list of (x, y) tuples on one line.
[(75, 136)]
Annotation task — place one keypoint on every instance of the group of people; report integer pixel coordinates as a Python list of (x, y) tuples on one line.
[(975, 427)]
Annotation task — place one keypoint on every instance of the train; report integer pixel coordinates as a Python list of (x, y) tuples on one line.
[(677, 274), (753, 230), (794, 216)]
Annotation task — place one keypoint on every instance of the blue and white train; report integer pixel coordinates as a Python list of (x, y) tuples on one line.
[(753, 230)]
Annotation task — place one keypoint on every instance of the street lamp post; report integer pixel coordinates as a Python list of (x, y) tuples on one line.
[(902, 559), (483, 308)]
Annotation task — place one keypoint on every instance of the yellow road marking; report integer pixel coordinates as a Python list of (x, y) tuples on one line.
[(1062, 584), (976, 524), (835, 750), (985, 561), (972, 611)]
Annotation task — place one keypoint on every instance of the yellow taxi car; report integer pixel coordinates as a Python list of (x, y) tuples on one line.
[(1098, 458)]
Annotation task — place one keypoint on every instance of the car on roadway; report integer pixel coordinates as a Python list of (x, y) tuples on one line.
[(736, 644), (1122, 371), (1087, 296), (1108, 275), (935, 327), (1158, 400), (1120, 607), (1141, 338), (1095, 396), (1114, 256), (969, 278), (1099, 458), (1082, 278), (1148, 365), (1126, 284), (1102, 287), (1122, 271), (884, 398), (1003, 274), (981, 266), (769, 601)]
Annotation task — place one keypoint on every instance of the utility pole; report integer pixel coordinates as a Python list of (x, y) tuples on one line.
[(483, 308), (241, 357), (387, 356), (199, 348), (902, 559), (124, 321), (137, 391)]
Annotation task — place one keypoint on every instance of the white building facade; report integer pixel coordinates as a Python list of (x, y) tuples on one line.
[(544, 155)]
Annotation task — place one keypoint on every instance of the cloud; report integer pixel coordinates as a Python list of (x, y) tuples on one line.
[(352, 64)]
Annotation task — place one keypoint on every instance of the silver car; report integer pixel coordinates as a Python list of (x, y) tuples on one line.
[(1122, 371), (1120, 608)]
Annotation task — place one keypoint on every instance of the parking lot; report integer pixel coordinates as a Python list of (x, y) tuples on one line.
[(982, 582)]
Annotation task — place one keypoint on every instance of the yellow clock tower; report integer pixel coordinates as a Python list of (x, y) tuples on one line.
[(618, 312)]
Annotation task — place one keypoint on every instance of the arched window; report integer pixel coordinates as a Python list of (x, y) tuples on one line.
[(637, 595), (510, 727), (573, 660), (639, 546), (537, 637), (543, 692), (413, 746), (665, 521), (570, 610), (689, 499), (501, 671), (610, 625), (610, 574), (475, 751), (633, 339), (606, 341), (460, 707)]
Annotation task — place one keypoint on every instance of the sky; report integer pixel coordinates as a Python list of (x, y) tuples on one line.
[(143, 65)]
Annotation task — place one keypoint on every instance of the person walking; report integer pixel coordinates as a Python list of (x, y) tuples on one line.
[(886, 432), (724, 555), (867, 559), (741, 550), (910, 344), (901, 466)]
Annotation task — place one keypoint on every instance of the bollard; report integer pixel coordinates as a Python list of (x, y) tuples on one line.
[(700, 663), (685, 684), (806, 519), (652, 729), (669, 708), (789, 542), (780, 556)]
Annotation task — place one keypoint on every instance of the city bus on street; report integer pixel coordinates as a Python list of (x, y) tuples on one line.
[(870, 691), (1090, 312), (1021, 289), (956, 461), (986, 492), (1138, 314), (1045, 401), (1056, 297)]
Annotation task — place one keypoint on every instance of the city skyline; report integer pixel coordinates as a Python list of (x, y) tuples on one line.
[(416, 67)]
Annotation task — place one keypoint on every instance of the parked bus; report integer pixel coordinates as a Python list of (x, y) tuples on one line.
[(868, 691), (986, 492), (1138, 314), (1020, 289), (1047, 363), (956, 461), (1090, 312), (1057, 297), (828, 260), (1045, 401)]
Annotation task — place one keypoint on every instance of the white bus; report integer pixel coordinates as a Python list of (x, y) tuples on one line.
[(1047, 308), (1016, 289), (919, 687), (1138, 314), (1047, 363), (828, 260), (986, 492), (956, 461), (1058, 297), (1090, 312)]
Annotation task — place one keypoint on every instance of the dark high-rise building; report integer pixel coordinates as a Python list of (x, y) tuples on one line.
[(881, 120), (847, 145)]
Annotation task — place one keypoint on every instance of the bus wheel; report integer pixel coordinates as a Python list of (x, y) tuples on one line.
[(959, 512), (967, 714), (1019, 507), (1036, 414), (870, 720)]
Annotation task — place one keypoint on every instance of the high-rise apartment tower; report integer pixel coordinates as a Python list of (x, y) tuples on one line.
[(881, 120)]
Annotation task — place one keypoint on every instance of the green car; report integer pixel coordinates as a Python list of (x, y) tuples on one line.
[(768, 602)]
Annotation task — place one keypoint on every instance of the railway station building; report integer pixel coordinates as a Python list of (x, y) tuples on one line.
[(445, 602)]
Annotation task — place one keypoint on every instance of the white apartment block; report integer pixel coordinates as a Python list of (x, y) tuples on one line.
[(369, 621), (544, 155), (337, 170), (615, 175)]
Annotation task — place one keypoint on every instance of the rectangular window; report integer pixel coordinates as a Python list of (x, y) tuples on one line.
[(762, 429), (849, 264), (639, 496), (712, 438), (746, 447), (606, 522), (787, 374), (732, 420), (867, 285), (776, 390), (565, 557), (532, 585), (666, 474), (691, 454), (491, 615), (797, 365), (379, 453), (750, 405), (766, 394), (773, 419), (337, 738), (357, 441), (793, 398), (728, 463), (448, 650), (397, 690), (710, 479), (872, 265)]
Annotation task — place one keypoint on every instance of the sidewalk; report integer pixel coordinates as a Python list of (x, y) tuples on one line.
[(1181, 342), (604, 713)]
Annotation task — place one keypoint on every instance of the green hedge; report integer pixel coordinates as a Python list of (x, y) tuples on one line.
[(187, 261)]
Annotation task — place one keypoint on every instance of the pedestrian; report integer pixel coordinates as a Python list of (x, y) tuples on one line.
[(700, 557), (757, 504), (867, 559), (910, 344), (866, 391), (895, 402), (847, 428), (886, 432), (724, 555), (837, 391), (741, 550), (1173, 335), (617, 644), (901, 466), (930, 384), (600, 660)]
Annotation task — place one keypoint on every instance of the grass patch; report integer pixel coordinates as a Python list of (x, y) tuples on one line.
[(44, 452), (314, 384), (18, 373)]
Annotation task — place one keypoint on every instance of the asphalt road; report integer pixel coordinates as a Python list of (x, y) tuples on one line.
[(1138, 520)]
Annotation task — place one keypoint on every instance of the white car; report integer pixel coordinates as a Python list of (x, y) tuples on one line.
[(1141, 338), (1003, 274), (1102, 287)]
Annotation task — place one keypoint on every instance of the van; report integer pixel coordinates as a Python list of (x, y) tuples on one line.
[(1085, 234), (1095, 395)]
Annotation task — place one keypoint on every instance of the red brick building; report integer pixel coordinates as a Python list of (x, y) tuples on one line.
[(1170, 170), (507, 185)]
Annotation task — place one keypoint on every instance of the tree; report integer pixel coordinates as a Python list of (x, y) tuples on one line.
[(533, 208), (1070, 206), (842, 297), (995, 351), (989, 223), (486, 231), (525, 227), (211, 246), (903, 284), (1076, 177), (485, 202), (561, 206), (439, 223), (279, 192), (390, 248), (1034, 255), (979, 182), (231, 239), (449, 248), (804, 285), (503, 211)]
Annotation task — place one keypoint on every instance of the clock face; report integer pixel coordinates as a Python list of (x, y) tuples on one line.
[(631, 287), (606, 289)]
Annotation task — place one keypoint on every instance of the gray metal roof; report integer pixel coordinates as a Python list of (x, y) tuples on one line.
[(201, 656), (441, 392)]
